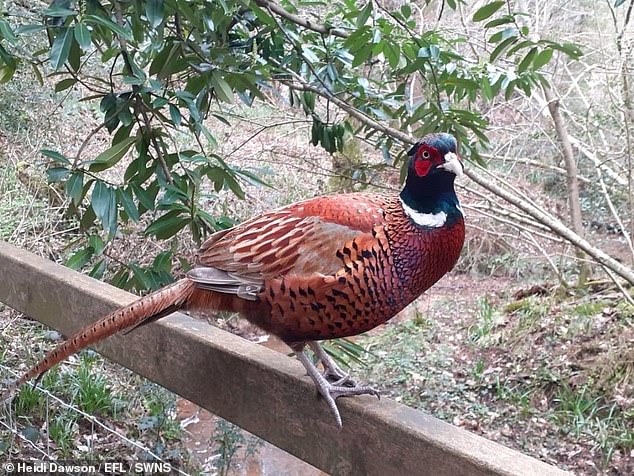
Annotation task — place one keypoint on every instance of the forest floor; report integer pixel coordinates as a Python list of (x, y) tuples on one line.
[(548, 375)]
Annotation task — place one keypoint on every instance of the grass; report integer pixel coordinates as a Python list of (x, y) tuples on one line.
[(160, 415), (63, 429), (88, 383), (29, 401), (485, 321), (520, 374), (229, 440), (395, 360), (18, 208), (528, 313), (587, 415), (89, 389), (575, 409)]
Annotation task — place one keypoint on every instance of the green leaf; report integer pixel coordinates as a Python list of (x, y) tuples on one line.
[(114, 154), (520, 45), (6, 32), (542, 58), (8, 65), (80, 258), (57, 174), (100, 198), (618, 3), (141, 276), (500, 21), (130, 208), (364, 14), (98, 269), (97, 244), (167, 225), (38, 74), (154, 12), (88, 218), (487, 10), (504, 34), (82, 35), (56, 156), (362, 55), (233, 184), (74, 57), (65, 84), (499, 49), (120, 278), (175, 115), (58, 11), (527, 60), (163, 262), (221, 119), (308, 101), (487, 91), (392, 53), (109, 24), (61, 48), (221, 87), (104, 204), (74, 187), (571, 49), (144, 196), (32, 28)]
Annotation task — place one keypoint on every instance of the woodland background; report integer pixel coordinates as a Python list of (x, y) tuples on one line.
[(130, 130)]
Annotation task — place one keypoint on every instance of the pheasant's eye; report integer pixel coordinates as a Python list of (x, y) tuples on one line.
[(425, 154)]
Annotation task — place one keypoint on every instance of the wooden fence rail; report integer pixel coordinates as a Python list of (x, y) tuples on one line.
[(258, 389)]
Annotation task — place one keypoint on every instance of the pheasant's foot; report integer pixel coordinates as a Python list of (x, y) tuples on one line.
[(332, 372), (344, 381), (332, 391)]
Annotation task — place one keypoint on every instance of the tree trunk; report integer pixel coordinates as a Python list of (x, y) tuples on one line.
[(571, 180)]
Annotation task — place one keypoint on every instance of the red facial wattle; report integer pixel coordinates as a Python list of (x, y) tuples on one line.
[(425, 158), (422, 167)]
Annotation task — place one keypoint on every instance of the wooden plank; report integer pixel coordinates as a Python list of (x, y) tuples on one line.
[(258, 389)]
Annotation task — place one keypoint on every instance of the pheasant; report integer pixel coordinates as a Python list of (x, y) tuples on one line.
[(327, 267)]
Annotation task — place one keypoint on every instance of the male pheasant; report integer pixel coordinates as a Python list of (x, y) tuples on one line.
[(327, 267)]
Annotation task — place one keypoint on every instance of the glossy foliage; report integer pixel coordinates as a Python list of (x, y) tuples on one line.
[(173, 64)]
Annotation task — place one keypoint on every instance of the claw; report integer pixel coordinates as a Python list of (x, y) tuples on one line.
[(344, 381), (332, 372), (343, 387)]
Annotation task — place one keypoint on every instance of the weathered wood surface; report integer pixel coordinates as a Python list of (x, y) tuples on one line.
[(256, 388)]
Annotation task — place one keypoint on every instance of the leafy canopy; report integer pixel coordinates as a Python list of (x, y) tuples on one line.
[(169, 66)]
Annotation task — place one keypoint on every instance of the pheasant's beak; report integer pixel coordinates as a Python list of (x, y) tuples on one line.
[(452, 164)]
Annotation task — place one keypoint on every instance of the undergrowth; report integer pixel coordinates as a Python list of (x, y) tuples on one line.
[(551, 364)]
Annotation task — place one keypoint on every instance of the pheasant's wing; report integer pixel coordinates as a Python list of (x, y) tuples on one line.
[(300, 239)]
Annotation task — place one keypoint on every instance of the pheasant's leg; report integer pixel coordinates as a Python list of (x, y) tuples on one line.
[(333, 373), (327, 390)]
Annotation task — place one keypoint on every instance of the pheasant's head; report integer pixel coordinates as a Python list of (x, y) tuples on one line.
[(435, 153), (428, 197)]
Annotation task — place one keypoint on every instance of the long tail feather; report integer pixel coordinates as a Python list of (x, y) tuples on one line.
[(160, 303)]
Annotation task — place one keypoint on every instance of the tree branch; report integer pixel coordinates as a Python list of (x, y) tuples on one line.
[(323, 29)]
